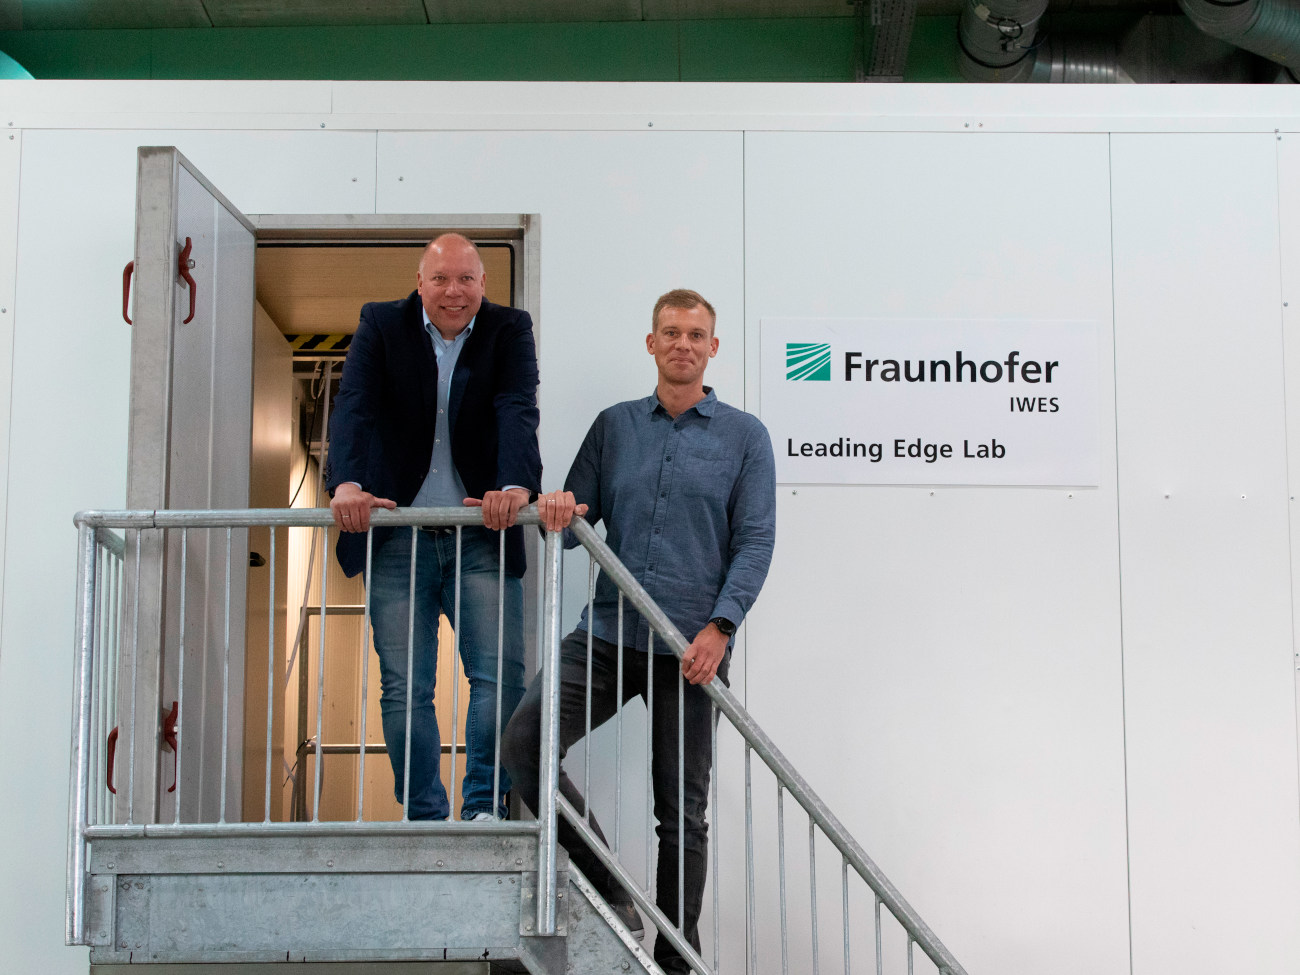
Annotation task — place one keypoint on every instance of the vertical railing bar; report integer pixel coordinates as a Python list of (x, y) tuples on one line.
[(716, 839), (812, 886), (681, 801), (180, 671), (586, 741), (365, 679), (270, 679), (501, 653), (225, 685), (96, 626), (320, 673), (910, 941), (618, 731), (135, 666), (844, 869), (547, 856), (75, 910), (879, 953), (649, 761), (751, 938), (455, 687), (781, 884), (410, 673)]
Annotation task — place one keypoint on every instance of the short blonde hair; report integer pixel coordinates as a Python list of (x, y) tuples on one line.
[(682, 298)]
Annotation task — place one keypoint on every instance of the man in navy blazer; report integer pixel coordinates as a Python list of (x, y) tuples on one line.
[(438, 406)]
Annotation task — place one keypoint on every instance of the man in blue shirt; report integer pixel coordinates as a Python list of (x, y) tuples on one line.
[(686, 487), (438, 407)]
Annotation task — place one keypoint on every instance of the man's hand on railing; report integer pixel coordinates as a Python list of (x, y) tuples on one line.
[(351, 507), (700, 660), (500, 508), (557, 510)]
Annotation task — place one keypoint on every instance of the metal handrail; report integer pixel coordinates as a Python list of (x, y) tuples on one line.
[(780, 766)]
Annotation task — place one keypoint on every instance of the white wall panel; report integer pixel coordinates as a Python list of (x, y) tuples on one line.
[(71, 356), (1209, 687), (944, 664)]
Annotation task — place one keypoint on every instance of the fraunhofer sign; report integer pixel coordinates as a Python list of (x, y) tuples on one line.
[(879, 401)]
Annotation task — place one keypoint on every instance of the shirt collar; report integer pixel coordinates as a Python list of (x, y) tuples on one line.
[(704, 407), (437, 336)]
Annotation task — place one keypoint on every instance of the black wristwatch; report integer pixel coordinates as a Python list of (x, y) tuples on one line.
[(724, 625)]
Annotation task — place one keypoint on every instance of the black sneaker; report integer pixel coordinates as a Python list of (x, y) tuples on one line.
[(625, 910)]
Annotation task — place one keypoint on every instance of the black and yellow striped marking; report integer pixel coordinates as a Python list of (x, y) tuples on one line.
[(312, 344)]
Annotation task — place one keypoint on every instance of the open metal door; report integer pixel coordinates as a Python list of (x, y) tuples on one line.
[(189, 445)]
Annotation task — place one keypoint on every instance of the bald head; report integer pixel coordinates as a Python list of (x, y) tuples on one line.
[(451, 281)]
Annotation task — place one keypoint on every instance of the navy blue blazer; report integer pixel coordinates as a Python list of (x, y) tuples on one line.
[(383, 419)]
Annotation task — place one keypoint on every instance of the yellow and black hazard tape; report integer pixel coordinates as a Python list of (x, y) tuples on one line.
[(314, 344)]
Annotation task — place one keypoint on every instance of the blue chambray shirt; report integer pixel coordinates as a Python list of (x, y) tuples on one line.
[(689, 507), (442, 485)]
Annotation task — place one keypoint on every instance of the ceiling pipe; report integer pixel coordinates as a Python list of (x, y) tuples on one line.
[(997, 38), (1269, 28)]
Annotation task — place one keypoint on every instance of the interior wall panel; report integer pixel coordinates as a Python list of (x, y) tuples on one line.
[(1209, 685), (943, 664)]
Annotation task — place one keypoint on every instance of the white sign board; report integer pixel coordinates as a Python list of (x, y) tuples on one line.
[(931, 402)]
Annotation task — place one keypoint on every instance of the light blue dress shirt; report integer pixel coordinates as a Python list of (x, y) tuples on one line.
[(442, 485)]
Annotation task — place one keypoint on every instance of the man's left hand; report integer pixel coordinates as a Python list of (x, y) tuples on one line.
[(500, 508), (701, 659)]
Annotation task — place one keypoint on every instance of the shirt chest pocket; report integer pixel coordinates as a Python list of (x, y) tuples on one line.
[(708, 472)]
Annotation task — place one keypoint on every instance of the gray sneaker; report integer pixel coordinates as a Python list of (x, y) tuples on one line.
[(482, 817)]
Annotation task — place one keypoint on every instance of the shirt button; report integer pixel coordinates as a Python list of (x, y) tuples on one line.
[(658, 530), (667, 460), (663, 494), (440, 411)]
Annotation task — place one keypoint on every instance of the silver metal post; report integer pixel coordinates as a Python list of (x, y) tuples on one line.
[(320, 672), (618, 733), (547, 854), (780, 860), (501, 653), (649, 761), (910, 942), (270, 683), (751, 937), (812, 886), (681, 800), (225, 686), (135, 661), (844, 870), (180, 672), (410, 674), (455, 688), (879, 953), (714, 841), (586, 740), (365, 681), (75, 913)]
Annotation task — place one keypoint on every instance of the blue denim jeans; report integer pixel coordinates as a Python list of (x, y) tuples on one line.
[(435, 594)]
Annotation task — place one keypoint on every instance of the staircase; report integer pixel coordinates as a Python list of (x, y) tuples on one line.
[(157, 884)]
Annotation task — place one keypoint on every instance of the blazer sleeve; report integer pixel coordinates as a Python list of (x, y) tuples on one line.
[(352, 421), (519, 460)]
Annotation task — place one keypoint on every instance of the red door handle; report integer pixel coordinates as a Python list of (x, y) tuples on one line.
[(169, 737), (126, 290), (183, 266), (112, 753)]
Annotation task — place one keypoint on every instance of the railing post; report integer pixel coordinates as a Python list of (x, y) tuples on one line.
[(79, 784), (550, 758)]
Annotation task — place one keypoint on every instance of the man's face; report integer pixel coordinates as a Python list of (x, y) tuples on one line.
[(682, 344), (451, 280)]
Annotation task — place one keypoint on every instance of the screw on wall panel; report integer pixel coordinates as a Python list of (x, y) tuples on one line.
[(528, 925), (401, 179), (220, 865), (498, 880), (354, 179), (794, 492), (650, 125), (1070, 495), (559, 895), (441, 864), (112, 866), (519, 863), (1243, 497), (329, 863), (322, 125), (968, 125)]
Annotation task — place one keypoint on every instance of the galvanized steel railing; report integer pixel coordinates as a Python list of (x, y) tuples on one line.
[(104, 620)]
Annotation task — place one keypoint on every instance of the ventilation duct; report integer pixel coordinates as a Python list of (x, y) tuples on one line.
[(1269, 28), (997, 38)]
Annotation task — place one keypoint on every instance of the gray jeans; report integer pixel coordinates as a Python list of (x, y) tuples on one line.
[(520, 752)]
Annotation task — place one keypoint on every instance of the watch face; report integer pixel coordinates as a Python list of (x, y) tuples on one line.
[(725, 625)]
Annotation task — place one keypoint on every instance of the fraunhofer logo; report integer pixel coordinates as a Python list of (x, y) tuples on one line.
[(809, 361)]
